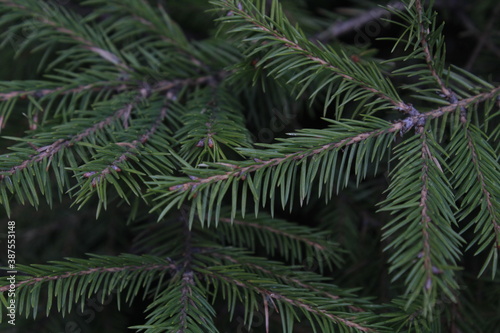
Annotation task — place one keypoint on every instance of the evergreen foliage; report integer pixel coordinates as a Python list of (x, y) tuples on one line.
[(389, 168)]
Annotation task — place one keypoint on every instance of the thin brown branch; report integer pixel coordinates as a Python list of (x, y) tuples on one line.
[(280, 232), (483, 37), (158, 86), (300, 303), (472, 29), (340, 28), (40, 279), (38, 93), (398, 126)]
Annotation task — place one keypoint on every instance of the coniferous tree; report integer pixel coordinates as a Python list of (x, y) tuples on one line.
[(235, 165)]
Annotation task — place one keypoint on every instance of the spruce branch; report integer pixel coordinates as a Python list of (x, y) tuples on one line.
[(266, 30), (316, 245), (65, 275), (424, 245), (429, 57), (475, 171), (132, 148), (290, 279), (299, 300), (38, 93), (426, 219), (398, 126), (488, 196), (48, 151), (54, 17)]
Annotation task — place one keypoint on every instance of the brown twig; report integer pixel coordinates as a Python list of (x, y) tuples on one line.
[(340, 28), (483, 37)]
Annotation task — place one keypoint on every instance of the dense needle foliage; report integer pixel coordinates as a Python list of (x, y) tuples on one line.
[(249, 165)]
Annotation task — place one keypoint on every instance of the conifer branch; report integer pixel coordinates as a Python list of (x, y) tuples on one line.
[(38, 93), (50, 150), (86, 43), (429, 58), (47, 152), (399, 126), (308, 241), (296, 302), (425, 218), (288, 278), (300, 50), (132, 147), (187, 276), (488, 196), (94, 270), (124, 114)]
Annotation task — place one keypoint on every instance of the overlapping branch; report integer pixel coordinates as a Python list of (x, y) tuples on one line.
[(288, 278), (300, 302)]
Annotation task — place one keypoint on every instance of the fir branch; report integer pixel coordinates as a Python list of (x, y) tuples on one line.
[(424, 243), (429, 58), (303, 303), (47, 152), (150, 20), (399, 126), (281, 233), (187, 282), (98, 176), (288, 279), (296, 48), (475, 171), (38, 93), (47, 15), (484, 188), (94, 270), (425, 218)]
